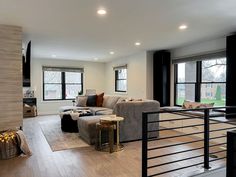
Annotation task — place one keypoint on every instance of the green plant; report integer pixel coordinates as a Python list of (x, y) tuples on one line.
[(7, 136), (218, 93)]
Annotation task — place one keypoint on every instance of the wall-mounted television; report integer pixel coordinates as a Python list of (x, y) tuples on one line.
[(26, 66)]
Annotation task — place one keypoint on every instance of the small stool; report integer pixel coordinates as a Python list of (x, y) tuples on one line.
[(104, 127)]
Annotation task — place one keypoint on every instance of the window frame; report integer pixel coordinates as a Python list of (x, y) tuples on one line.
[(198, 82), (117, 79), (63, 85)]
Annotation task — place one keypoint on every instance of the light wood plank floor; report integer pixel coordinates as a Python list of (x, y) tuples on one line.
[(82, 162)]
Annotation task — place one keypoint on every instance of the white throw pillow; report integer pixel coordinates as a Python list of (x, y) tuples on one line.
[(81, 101)]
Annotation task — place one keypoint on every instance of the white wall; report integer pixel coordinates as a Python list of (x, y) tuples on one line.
[(149, 76), (94, 77), (136, 75), (199, 48)]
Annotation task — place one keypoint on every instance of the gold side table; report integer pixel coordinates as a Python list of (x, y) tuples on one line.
[(103, 127), (115, 120)]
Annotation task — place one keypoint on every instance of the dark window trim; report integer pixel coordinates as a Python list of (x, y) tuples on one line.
[(198, 82), (117, 79), (63, 87)]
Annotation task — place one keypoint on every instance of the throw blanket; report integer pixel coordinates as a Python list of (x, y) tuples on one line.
[(23, 143), (75, 114)]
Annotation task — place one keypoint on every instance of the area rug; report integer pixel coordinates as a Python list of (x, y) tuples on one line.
[(59, 140)]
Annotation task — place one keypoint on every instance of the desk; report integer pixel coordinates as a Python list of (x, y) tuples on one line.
[(115, 120)]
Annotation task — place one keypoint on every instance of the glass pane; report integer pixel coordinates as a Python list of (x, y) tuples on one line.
[(72, 91), (213, 93), (73, 77), (121, 85), (214, 70), (52, 91), (185, 92), (52, 77), (122, 74), (187, 72)]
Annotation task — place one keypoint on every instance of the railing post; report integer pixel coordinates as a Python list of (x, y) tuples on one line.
[(144, 144), (206, 138)]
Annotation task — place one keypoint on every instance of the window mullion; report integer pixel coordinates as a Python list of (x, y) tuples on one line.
[(175, 83), (198, 81), (63, 85)]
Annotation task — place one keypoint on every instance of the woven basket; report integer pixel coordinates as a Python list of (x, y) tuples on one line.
[(10, 149)]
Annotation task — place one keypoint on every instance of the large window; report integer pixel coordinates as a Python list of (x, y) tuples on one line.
[(62, 83), (185, 83), (213, 81), (121, 79), (203, 81)]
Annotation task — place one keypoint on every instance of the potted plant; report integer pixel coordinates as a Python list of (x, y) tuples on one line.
[(8, 145)]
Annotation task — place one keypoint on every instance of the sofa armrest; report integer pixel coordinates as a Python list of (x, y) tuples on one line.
[(131, 127)]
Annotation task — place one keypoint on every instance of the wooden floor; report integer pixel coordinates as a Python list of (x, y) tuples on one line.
[(82, 162)]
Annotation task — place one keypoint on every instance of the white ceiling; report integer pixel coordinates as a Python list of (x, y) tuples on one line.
[(71, 29)]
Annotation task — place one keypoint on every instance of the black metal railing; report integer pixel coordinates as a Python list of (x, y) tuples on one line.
[(208, 148)]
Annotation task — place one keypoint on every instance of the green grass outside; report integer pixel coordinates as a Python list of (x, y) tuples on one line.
[(217, 102)]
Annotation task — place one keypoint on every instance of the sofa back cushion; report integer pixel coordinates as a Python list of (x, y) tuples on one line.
[(81, 101), (110, 101), (100, 99), (92, 100)]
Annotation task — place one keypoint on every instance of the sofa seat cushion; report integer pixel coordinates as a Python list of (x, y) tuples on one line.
[(69, 108), (87, 128), (96, 110), (105, 112)]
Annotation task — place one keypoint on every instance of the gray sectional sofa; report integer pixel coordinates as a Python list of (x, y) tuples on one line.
[(130, 128)]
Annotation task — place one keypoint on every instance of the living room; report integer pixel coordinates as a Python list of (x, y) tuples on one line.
[(99, 40)]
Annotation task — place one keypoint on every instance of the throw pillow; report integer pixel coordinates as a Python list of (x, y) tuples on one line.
[(195, 105), (99, 100), (92, 100), (81, 101), (207, 105), (190, 105)]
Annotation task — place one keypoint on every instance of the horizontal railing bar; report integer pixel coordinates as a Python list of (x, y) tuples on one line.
[(177, 144), (179, 152), (217, 152), (223, 122), (175, 161), (200, 117), (184, 118), (217, 159), (217, 137), (216, 122), (217, 145), (216, 130), (177, 136), (175, 169), (188, 118), (174, 128), (220, 115), (184, 110)]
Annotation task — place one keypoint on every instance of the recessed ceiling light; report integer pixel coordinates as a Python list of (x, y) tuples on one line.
[(183, 27), (112, 53), (137, 43), (54, 56), (101, 12)]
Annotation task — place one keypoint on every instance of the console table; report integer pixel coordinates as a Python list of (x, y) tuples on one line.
[(29, 107)]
